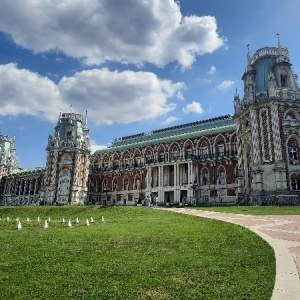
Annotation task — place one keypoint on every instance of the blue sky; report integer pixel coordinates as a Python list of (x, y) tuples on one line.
[(134, 65)]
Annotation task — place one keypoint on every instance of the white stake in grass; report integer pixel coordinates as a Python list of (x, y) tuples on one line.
[(87, 223), (27, 219), (92, 220), (7, 219), (69, 223), (46, 224), (19, 225), (102, 219), (77, 220), (38, 219), (63, 220)]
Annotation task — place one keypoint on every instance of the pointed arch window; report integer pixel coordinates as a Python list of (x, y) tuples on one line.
[(205, 178), (293, 152), (188, 153), (175, 153), (204, 150), (221, 177), (221, 150)]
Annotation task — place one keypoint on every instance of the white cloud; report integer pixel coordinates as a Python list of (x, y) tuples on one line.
[(226, 84), (122, 97), (212, 70), (109, 97), (96, 31), (170, 120), (95, 147), (23, 92), (194, 107)]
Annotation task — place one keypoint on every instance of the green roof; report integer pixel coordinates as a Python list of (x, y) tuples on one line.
[(185, 131)]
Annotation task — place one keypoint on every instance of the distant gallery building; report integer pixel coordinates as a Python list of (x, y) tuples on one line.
[(252, 156)]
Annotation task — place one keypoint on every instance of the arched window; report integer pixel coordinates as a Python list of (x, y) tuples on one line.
[(221, 176), (125, 183), (220, 149), (137, 182), (203, 151), (295, 180), (293, 152), (115, 184), (204, 178)]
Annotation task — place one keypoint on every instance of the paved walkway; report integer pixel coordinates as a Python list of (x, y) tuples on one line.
[(282, 233)]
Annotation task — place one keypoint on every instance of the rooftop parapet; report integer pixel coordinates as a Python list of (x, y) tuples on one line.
[(270, 51), (6, 138)]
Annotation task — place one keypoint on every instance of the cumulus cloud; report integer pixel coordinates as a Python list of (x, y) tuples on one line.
[(226, 84), (130, 31), (95, 147), (170, 120), (109, 97), (194, 107), (212, 70), (27, 93), (122, 97)]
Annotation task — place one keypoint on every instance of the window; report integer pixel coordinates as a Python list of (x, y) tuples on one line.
[(295, 182), (222, 177), (175, 153), (115, 185), (204, 152), (205, 180), (161, 157), (293, 156), (221, 150), (188, 153), (283, 80), (149, 158), (206, 198)]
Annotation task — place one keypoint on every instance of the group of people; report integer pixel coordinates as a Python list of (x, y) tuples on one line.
[(151, 203)]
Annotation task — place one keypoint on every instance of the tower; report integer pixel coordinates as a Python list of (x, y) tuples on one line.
[(67, 167), (8, 161), (268, 125)]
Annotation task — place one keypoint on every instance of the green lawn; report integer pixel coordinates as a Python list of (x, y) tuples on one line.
[(254, 210), (138, 253)]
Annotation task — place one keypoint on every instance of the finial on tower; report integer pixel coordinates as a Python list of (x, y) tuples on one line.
[(279, 45), (71, 108), (248, 58), (86, 119)]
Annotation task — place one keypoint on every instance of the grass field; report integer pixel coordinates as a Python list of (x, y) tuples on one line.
[(138, 253), (254, 210)]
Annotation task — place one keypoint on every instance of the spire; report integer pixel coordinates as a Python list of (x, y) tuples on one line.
[(86, 119), (71, 108), (279, 45), (248, 59)]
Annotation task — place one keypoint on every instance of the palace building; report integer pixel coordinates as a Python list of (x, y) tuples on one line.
[(249, 157)]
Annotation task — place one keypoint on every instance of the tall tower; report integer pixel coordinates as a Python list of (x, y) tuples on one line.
[(67, 166), (8, 161), (268, 125)]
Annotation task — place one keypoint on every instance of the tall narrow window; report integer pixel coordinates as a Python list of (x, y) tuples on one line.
[(204, 152), (295, 182), (221, 150), (205, 179), (222, 177), (293, 157)]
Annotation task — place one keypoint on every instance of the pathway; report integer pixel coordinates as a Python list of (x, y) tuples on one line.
[(282, 233)]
